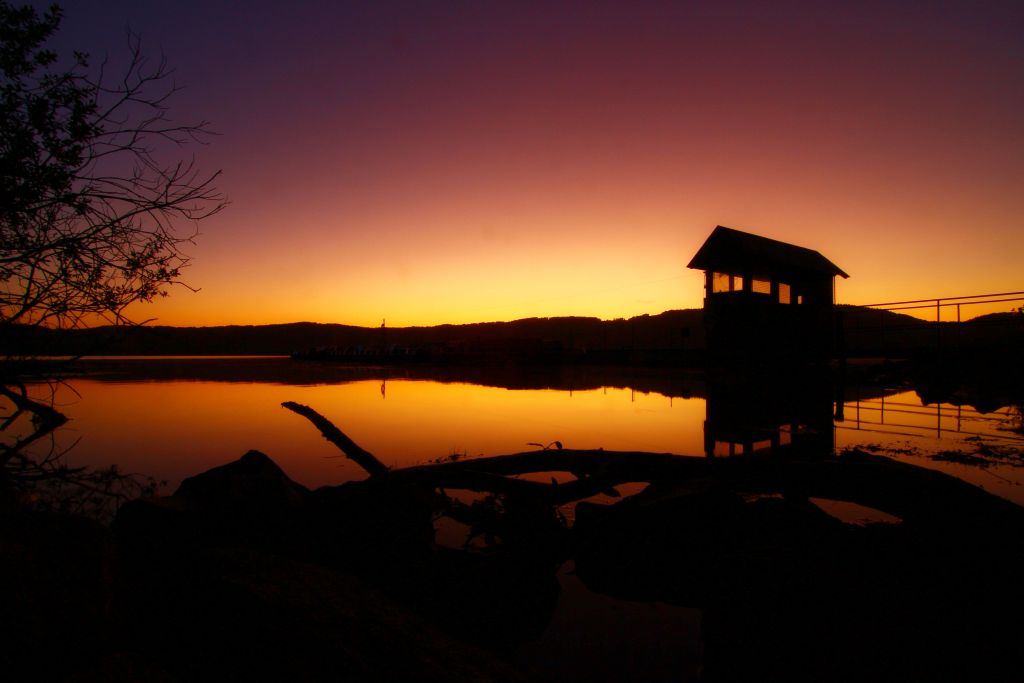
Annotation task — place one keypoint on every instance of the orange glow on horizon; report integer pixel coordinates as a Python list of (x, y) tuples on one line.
[(430, 166)]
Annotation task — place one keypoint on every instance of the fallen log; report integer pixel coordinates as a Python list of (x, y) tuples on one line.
[(906, 491), (913, 494), (362, 457)]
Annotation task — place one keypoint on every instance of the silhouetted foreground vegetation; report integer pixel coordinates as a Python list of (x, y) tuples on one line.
[(243, 574), (93, 195)]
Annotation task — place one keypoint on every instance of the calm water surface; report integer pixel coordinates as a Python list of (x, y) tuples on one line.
[(171, 418), (173, 428)]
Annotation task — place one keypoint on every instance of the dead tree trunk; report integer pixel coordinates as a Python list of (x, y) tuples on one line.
[(364, 458), (911, 493)]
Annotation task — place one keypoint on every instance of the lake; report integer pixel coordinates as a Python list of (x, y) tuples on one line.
[(169, 418)]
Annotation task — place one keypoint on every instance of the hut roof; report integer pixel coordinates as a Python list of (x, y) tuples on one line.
[(735, 251)]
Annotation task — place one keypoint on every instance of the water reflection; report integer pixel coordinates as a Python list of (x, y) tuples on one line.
[(170, 418), (172, 428), (767, 568), (748, 413)]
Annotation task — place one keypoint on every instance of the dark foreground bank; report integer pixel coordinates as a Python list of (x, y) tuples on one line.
[(242, 574)]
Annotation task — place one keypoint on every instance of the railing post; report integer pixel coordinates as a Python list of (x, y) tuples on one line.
[(881, 319), (959, 334), (959, 331)]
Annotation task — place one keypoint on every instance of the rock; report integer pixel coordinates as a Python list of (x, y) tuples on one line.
[(699, 547), (374, 526), (254, 482), (248, 502)]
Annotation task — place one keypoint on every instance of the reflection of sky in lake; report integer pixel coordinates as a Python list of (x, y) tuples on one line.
[(911, 432), (172, 429), (175, 428)]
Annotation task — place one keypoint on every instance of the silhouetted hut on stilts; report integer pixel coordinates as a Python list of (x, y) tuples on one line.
[(768, 315), (766, 299)]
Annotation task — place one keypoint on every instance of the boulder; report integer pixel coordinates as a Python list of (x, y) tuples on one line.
[(253, 483), (248, 502)]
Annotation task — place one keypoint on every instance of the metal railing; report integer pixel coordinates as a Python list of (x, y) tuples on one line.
[(949, 301), (863, 332), (942, 419)]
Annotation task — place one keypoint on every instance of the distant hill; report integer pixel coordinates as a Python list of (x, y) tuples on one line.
[(867, 332), (876, 332), (670, 330)]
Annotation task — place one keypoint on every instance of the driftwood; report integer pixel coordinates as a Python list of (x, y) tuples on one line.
[(911, 493), (786, 591), (362, 457), (45, 419)]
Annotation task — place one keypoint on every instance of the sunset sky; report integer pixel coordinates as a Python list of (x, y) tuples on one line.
[(431, 162)]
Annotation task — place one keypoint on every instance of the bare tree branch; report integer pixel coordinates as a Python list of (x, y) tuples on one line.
[(97, 205)]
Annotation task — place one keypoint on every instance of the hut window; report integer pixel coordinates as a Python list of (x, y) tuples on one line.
[(721, 282), (784, 294), (725, 282), (761, 286), (799, 298)]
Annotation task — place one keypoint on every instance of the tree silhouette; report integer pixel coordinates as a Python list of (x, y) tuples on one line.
[(91, 211)]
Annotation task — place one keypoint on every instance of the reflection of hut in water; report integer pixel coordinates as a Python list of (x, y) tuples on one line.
[(765, 297), (763, 411)]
